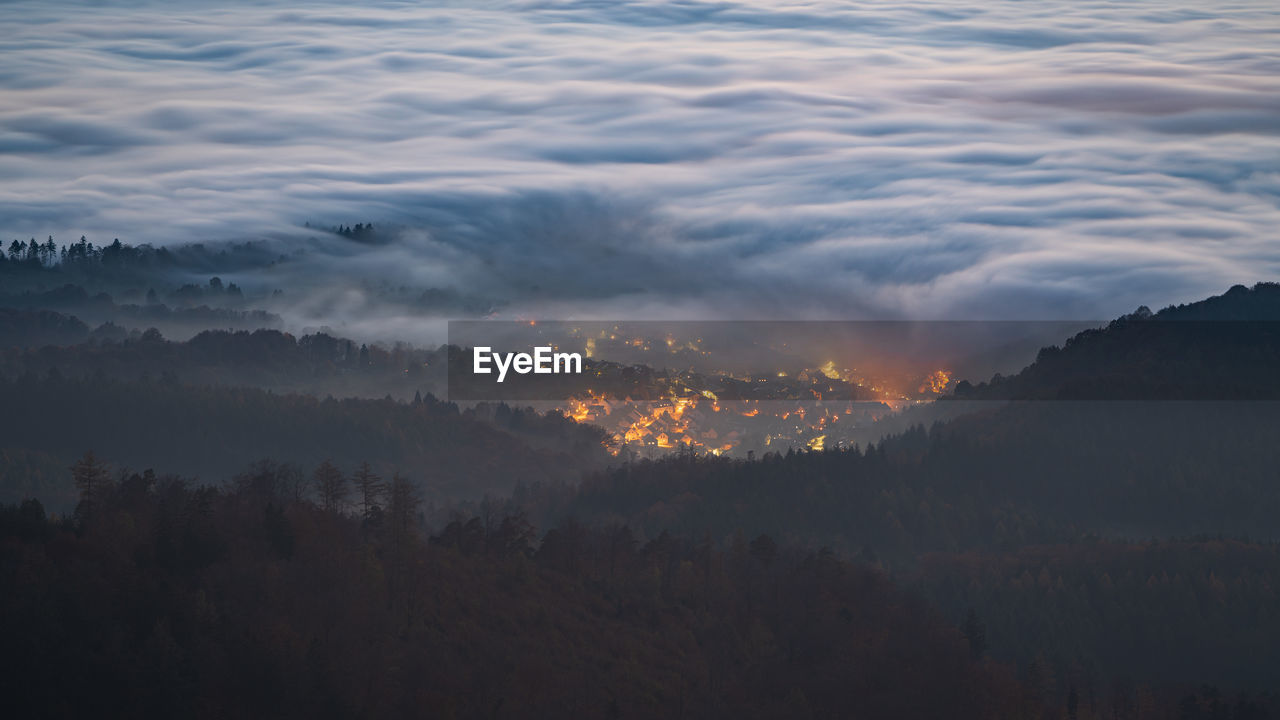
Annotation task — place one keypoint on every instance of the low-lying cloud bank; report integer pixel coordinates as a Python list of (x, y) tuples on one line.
[(663, 159)]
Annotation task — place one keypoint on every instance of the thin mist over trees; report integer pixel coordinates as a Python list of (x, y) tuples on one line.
[(1042, 552)]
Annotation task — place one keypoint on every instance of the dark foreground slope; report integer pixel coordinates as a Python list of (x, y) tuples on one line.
[(1192, 611), (169, 601)]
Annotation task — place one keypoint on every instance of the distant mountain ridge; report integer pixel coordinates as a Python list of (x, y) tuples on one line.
[(1225, 347)]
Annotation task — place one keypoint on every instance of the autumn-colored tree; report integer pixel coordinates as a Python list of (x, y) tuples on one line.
[(370, 487), (331, 485), (402, 508)]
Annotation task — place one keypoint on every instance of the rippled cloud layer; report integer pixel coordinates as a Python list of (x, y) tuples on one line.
[(750, 158)]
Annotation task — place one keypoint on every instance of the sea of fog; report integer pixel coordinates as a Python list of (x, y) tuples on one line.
[(612, 158)]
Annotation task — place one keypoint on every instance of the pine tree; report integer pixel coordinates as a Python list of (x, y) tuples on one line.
[(90, 475)]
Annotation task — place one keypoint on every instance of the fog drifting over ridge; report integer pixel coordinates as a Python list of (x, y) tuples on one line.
[(740, 159)]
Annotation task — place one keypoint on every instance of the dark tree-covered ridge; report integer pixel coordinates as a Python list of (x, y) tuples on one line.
[(174, 600), (1223, 348)]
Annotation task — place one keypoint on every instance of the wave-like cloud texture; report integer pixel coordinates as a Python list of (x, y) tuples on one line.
[(740, 158)]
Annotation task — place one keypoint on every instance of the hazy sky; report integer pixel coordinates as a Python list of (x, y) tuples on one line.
[(926, 158)]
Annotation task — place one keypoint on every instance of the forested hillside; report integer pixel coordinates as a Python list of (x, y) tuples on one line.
[(1004, 477), (168, 600), (317, 363), (1093, 537), (1095, 613), (214, 432), (1046, 524), (1223, 348)]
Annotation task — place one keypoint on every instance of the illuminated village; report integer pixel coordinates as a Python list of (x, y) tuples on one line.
[(726, 414)]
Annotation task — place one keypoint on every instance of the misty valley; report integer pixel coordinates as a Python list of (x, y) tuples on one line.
[(308, 526)]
